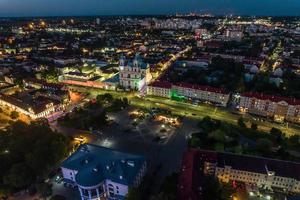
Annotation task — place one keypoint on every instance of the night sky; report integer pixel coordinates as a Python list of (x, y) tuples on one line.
[(125, 7)]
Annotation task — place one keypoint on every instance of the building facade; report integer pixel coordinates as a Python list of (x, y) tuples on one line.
[(134, 75), (102, 173), (190, 91), (161, 89), (36, 109), (277, 107), (257, 172), (261, 172)]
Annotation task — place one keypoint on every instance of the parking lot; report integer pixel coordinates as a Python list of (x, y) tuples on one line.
[(160, 140)]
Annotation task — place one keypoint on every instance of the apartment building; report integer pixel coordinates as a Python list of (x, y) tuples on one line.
[(159, 88), (265, 173), (192, 91), (277, 107)]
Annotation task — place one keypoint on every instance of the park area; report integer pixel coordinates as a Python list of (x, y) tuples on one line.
[(221, 136)]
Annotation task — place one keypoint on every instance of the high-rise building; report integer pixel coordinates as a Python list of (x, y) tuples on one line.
[(97, 21)]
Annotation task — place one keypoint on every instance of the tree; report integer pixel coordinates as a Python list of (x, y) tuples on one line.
[(214, 190), (32, 154), (14, 115), (241, 123), (218, 135), (294, 141), (219, 147), (227, 191), (105, 98), (254, 126), (58, 197), (51, 75), (19, 176), (195, 142), (44, 189), (133, 194), (168, 189), (207, 124), (277, 133), (264, 145), (211, 189)]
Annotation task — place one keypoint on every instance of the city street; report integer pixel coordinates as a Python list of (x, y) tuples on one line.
[(191, 111)]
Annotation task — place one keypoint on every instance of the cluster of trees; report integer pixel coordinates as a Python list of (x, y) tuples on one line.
[(221, 136), (28, 152), (222, 73), (50, 75), (228, 74), (168, 190), (214, 190), (249, 47), (112, 104), (289, 87), (94, 114)]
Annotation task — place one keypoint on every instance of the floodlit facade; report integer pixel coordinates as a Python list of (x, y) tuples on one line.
[(194, 92), (102, 173), (34, 110), (134, 75), (279, 108), (256, 172), (161, 89)]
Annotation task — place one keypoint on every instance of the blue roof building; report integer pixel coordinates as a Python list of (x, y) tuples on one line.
[(101, 172)]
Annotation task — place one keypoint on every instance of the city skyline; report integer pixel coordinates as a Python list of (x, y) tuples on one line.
[(17, 8)]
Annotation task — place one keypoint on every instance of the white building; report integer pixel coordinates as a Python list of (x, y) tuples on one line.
[(277, 107), (256, 171), (236, 35), (203, 93), (191, 91), (102, 173), (161, 89), (134, 75)]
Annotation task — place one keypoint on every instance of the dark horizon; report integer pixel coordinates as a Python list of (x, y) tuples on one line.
[(54, 8), (145, 15)]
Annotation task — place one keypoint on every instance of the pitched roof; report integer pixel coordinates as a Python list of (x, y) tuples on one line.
[(161, 84), (273, 98), (202, 87), (186, 182), (281, 168)]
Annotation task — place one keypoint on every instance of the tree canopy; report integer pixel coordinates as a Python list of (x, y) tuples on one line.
[(28, 152)]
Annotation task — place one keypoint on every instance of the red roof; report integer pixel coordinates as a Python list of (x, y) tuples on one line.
[(212, 44), (202, 87), (272, 98), (191, 178), (185, 183), (161, 84)]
